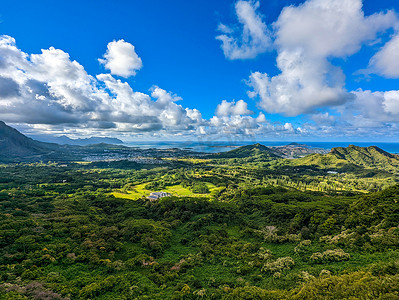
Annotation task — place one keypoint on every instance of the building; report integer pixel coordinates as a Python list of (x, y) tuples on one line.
[(157, 195)]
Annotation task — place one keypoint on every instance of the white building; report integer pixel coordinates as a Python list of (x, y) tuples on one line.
[(157, 195)]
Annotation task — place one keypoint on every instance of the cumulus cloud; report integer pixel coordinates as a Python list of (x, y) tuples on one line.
[(300, 88), (391, 103), (50, 93), (323, 118), (238, 125), (231, 108), (253, 37), (8, 88), (386, 61), (368, 114), (289, 127), (121, 59), (375, 106), (233, 125), (49, 89), (53, 93), (329, 27), (307, 37)]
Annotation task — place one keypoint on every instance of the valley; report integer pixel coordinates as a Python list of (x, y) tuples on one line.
[(248, 223)]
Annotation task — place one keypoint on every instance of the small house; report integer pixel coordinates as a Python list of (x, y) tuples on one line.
[(157, 195)]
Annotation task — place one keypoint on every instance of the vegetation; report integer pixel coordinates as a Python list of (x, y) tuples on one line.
[(250, 226), (354, 157)]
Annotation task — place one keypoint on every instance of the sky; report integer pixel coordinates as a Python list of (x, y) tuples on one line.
[(201, 70)]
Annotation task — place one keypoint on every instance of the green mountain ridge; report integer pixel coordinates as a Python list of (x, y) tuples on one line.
[(258, 150), (365, 157), (16, 147), (15, 144)]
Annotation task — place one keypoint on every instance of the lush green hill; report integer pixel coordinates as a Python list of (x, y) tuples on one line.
[(255, 150), (366, 157)]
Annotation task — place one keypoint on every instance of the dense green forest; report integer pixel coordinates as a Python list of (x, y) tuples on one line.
[(242, 225)]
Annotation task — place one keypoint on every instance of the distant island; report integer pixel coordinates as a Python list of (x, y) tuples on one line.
[(64, 140)]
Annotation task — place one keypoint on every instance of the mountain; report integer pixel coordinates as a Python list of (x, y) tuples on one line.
[(64, 140), (366, 157), (249, 151), (14, 144)]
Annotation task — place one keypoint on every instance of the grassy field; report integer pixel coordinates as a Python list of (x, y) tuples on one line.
[(140, 191), (190, 160)]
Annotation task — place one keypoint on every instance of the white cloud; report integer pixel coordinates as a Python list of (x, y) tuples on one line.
[(66, 80), (174, 116), (391, 103), (307, 37), (231, 108), (323, 118), (233, 127), (254, 38), (261, 118), (369, 115), (121, 59), (300, 88), (376, 106), (288, 127), (51, 91), (386, 61), (329, 27)]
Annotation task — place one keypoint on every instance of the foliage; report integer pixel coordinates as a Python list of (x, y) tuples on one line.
[(234, 228)]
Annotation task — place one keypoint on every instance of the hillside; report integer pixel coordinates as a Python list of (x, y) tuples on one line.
[(14, 144), (249, 151), (366, 157)]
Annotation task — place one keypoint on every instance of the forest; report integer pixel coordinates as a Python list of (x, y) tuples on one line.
[(243, 225)]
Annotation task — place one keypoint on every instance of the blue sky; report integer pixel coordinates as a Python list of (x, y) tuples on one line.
[(281, 72)]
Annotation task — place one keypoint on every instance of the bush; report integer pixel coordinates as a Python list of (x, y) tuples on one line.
[(330, 255), (278, 265), (303, 247), (358, 285), (253, 293)]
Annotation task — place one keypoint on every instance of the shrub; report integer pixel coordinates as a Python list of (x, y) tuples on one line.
[(324, 273), (387, 238), (330, 255), (263, 254), (253, 293), (358, 285), (278, 265), (269, 233), (302, 247), (345, 237)]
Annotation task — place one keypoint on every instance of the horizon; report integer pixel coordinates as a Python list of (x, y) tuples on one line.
[(214, 146), (232, 70)]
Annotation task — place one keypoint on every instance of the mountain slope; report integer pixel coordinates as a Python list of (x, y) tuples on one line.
[(15, 146), (366, 157), (255, 150)]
